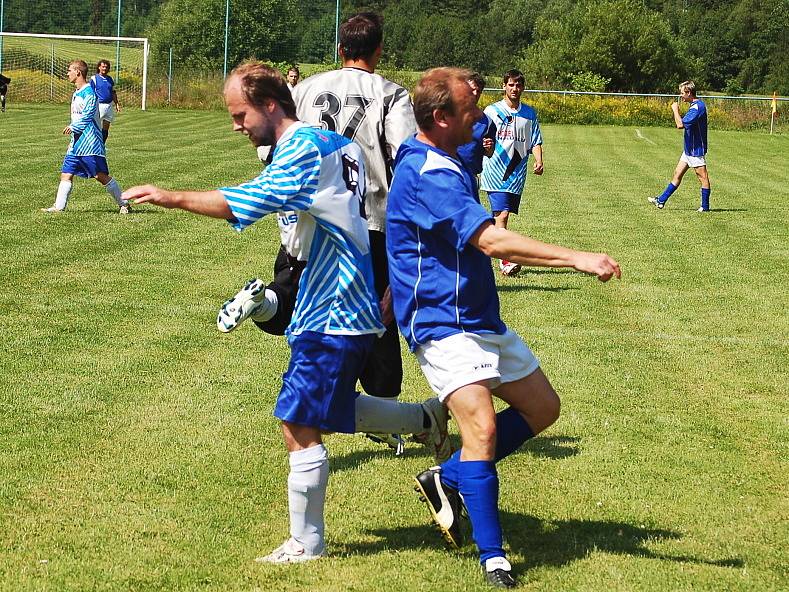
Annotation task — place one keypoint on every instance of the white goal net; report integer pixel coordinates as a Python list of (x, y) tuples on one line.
[(37, 65)]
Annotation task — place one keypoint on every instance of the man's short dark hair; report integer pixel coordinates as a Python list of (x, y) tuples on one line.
[(515, 75), (477, 79), (294, 68), (260, 81), (82, 67), (435, 91), (361, 34)]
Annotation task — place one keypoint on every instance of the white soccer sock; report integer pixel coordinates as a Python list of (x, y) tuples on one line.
[(266, 308), (307, 481), (115, 191), (379, 416), (64, 190)]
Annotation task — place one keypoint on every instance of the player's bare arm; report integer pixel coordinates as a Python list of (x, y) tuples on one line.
[(538, 167), (502, 243), (677, 116), (206, 203)]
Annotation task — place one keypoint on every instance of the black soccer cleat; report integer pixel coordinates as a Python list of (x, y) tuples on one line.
[(444, 503), (500, 578), (498, 573)]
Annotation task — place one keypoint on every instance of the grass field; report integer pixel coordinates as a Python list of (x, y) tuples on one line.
[(137, 447)]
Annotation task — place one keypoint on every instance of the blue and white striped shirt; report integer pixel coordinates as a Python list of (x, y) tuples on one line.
[(517, 133), (319, 175), (85, 125)]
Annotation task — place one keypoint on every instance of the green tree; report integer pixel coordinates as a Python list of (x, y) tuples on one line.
[(195, 29)]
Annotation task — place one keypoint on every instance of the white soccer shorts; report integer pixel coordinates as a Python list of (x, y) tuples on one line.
[(693, 162), (465, 358), (107, 112)]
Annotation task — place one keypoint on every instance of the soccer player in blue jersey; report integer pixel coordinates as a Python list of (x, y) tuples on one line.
[(439, 241), (695, 146), (483, 134), (85, 156), (317, 176), (504, 173), (104, 86)]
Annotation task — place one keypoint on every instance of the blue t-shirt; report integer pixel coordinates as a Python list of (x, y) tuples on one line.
[(695, 122), (440, 284), (103, 86), (471, 154)]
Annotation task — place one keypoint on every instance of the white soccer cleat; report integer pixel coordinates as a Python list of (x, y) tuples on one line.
[(509, 268), (52, 210), (393, 441), (241, 306), (656, 201), (436, 438), (125, 209), (701, 210), (289, 552)]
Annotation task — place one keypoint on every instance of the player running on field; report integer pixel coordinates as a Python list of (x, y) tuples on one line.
[(517, 136), (377, 115), (319, 175), (695, 147), (439, 240), (85, 156)]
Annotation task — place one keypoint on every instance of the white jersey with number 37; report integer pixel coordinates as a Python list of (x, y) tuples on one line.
[(370, 110)]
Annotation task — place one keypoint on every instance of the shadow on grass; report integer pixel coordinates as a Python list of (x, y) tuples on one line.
[(527, 288), (543, 542), (555, 447)]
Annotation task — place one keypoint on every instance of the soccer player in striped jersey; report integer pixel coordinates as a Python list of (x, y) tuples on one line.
[(518, 135), (317, 176), (439, 241), (104, 86), (85, 156), (695, 147), (483, 134), (377, 115)]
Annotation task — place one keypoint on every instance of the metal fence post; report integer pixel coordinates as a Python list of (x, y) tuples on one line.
[(170, 78)]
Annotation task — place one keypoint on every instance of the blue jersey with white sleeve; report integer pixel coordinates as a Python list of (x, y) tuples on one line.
[(85, 125), (517, 133), (103, 86), (441, 285), (695, 124), (319, 176), (471, 154)]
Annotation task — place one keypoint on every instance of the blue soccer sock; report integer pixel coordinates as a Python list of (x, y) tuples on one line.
[(670, 188), (511, 432), (705, 198), (479, 486)]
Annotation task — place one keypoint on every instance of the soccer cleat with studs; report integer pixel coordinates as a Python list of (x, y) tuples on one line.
[(436, 437), (444, 503), (509, 269), (289, 552), (241, 306), (52, 210), (656, 200), (498, 573), (393, 441)]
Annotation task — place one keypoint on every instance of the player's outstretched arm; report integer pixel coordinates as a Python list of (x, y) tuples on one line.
[(205, 203), (505, 244)]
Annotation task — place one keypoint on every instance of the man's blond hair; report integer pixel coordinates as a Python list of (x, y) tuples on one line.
[(435, 91), (688, 85)]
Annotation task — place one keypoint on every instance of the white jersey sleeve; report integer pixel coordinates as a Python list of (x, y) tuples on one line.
[(373, 112)]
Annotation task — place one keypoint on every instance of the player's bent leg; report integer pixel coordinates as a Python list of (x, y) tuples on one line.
[(472, 408), (534, 398), (679, 173)]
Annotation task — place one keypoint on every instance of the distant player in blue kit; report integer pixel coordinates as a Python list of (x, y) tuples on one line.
[(104, 86), (695, 146), (483, 134), (504, 173), (316, 176), (85, 156), (439, 241)]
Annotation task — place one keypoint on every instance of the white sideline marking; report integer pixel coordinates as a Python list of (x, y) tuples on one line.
[(642, 137)]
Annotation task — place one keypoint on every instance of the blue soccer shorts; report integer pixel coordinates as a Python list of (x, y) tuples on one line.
[(319, 386), (85, 166), (501, 200)]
